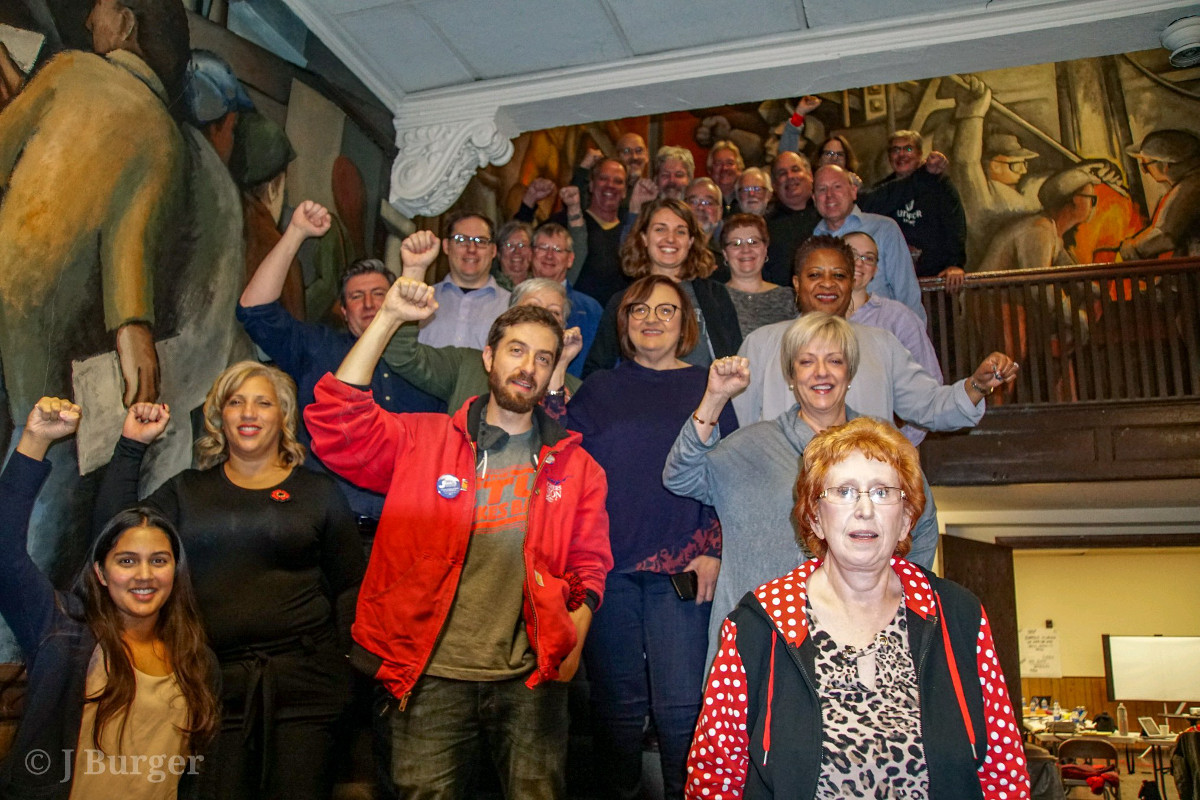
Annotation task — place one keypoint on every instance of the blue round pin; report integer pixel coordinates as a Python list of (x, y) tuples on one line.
[(448, 486)]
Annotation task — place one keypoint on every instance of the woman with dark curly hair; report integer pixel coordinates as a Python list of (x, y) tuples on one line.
[(276, 561), (661, 243)]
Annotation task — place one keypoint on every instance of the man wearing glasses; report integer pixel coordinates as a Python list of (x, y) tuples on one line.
[(1172, 158), (925, 206), (553, 255), (725, 164), (753, 188), (468, 298)]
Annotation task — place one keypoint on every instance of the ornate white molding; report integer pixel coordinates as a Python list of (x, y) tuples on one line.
[(435, 162)]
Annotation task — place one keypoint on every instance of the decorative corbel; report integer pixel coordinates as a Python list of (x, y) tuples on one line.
[(435, 162)]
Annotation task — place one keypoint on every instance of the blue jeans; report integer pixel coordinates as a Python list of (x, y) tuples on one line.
[(437, 738), (645, 654)]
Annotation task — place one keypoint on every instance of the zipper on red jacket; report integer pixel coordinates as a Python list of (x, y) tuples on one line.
[(403, 700), (537, 472)]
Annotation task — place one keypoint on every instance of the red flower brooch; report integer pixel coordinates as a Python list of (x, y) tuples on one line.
[(280, 496)]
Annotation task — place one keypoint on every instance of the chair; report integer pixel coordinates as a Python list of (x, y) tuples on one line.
[(1089, 749)]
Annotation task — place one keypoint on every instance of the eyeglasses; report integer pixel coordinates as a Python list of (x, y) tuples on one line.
[(632, 151), (462, 240), (749, 241), (752, 190), (835, 155), (848, 495), (866, 258), (664, 311), (511, 246), (546, 249), (702, 202), (897, 149), (1091, 198), (1145, 164)]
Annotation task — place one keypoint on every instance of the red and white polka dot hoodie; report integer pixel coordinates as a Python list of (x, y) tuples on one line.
[(720, 759)]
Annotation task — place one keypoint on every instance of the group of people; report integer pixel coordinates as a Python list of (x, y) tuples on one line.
[(626, 462)]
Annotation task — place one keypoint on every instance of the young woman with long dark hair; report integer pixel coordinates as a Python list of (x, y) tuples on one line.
[(121, 696)]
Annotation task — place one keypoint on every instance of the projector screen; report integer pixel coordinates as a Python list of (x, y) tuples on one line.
[(1165, 668)]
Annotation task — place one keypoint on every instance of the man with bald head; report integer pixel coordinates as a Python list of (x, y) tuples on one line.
[(792, 219), (835, 196)]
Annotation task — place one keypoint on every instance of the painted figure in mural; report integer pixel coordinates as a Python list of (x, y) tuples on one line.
[(93, 169), (753, 191), (990, 175), (1068, 199), (261, 154), (725, 164), (793, 217), (835, 196), (1172, 158), (927, 208)]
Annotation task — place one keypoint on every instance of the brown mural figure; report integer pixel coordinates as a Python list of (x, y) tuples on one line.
[(92, 166)]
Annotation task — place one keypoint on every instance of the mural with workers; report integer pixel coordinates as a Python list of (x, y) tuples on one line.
[(141, 183), (1073, 162)]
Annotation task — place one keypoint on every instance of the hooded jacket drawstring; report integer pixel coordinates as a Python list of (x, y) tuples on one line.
[(958, 690), (770, 697)]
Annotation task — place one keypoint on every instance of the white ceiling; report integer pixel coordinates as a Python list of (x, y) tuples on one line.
[(463, 77)]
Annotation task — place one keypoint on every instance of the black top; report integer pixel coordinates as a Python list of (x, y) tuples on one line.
[(931, 217), (267, 564), (600, 276), (788, 229)]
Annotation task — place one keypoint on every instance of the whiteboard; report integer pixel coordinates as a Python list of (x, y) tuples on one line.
[(1164, 668)]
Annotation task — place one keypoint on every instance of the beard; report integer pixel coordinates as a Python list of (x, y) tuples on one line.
[(510, 400)]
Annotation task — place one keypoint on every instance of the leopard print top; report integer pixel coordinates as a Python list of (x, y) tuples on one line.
[(870, 711)]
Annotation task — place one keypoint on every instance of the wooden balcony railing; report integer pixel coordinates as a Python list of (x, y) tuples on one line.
[(1096, 332)]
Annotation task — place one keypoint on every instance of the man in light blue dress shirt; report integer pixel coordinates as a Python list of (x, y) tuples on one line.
[(834, 195), (468, 298)]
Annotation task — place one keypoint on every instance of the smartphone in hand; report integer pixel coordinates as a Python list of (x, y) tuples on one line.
[(686, 585)]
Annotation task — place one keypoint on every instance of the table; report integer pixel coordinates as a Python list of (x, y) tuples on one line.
[(1155, 745)]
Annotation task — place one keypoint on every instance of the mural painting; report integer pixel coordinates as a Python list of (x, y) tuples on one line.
[(140, 185), (1006, 133)]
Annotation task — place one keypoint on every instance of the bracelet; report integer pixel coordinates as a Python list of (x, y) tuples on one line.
[(556, 392), (703, 421), (980, 389), (797, 119)]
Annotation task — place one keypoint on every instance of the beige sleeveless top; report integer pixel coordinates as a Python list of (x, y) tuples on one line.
[(149, 759)]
